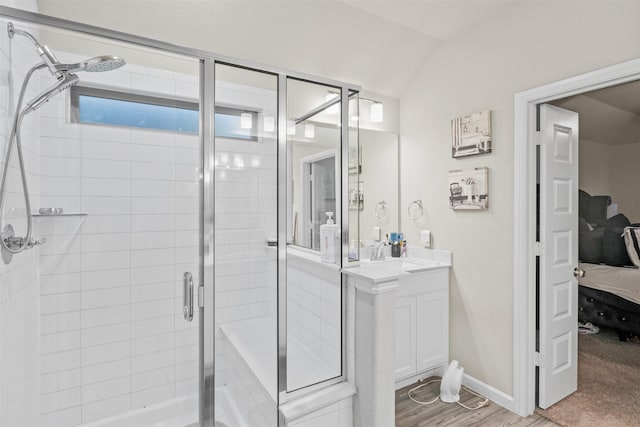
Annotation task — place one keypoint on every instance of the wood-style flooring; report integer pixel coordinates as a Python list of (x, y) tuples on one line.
[(410, 414)]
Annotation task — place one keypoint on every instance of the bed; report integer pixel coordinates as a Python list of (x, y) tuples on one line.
[(610, 296), (609, 292)]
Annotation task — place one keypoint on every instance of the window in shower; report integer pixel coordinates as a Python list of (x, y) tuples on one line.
[(109, 107)]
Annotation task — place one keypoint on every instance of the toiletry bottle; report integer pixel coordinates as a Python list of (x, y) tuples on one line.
[(353, 251), (404, 249), (328, 247)]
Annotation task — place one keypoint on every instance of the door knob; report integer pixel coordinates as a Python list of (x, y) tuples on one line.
[(578, 272)]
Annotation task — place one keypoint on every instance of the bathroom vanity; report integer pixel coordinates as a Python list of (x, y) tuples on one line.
[(421, 341), (401, 328)]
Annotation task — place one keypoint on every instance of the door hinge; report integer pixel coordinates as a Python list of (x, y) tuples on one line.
[(538, 359), (539, 249), (538, 137), (201, 296)]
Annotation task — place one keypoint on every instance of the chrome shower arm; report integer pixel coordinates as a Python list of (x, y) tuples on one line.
[(45, 53), (11, 30)]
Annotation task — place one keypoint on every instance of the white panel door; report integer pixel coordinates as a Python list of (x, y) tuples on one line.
[(558, 374), (405, 337)]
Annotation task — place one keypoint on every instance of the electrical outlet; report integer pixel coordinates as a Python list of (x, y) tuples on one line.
[(425, 238)]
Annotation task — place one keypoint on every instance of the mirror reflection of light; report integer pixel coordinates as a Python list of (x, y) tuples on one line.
[(291, 127), (309, 130), (269, 124), (224, 158), (238, 161), (246, 121), (255, 162), (377, 112), (223, 175)]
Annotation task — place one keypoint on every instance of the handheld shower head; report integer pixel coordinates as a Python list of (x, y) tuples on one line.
[(94, 65), (64, 82)]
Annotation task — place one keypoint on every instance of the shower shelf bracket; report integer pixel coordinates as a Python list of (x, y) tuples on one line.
[(38, 214)]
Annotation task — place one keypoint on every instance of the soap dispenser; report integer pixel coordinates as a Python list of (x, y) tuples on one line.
[(328, 236)]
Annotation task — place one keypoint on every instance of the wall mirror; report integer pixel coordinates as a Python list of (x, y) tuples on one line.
[(376, 196)]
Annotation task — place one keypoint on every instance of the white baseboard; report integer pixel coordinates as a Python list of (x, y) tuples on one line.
[(491, 393), (435, 372)]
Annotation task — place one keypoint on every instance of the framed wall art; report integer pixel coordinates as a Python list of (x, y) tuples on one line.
[(471, 134), (469, 189)]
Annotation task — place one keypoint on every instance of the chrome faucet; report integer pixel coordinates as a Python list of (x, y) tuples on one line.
[(378, 252)]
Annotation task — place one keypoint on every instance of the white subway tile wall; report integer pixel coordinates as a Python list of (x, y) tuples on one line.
[(253, 404), (314, 314), (19, 316), (113, 338), (245, 217), (339, 414)]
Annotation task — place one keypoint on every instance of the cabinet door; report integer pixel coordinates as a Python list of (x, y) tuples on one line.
[(405, 337), (432, 330)]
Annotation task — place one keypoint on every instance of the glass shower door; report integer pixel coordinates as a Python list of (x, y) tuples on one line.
[(245, 169), (101, 334), (314, 352)]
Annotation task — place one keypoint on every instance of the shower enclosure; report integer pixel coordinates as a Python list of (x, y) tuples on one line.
[(170, 272)]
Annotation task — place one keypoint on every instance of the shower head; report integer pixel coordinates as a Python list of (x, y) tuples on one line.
[(64, 82), (94, 65)]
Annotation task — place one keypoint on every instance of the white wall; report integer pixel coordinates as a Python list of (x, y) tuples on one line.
[(624, 179), (527, 45), (612, 170), (19, 308), (595, 168)]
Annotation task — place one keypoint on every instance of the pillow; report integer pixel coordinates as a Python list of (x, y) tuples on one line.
[(590, 246), (618, 221), (614, 251), (632, 242)]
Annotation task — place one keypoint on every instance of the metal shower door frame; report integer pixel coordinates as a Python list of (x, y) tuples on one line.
[(206, 300)]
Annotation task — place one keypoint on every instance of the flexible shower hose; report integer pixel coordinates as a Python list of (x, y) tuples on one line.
[(15, 138)]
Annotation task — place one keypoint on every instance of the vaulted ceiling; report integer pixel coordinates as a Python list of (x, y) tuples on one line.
[(379, 45), (608, 116)]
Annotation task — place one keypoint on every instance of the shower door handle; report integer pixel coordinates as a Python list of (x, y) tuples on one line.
[(187, 301)]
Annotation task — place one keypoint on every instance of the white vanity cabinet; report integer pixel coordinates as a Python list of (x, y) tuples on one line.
[(400, 328), (421, 326)]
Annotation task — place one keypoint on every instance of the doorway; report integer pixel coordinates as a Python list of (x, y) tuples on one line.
[(598, 308), (525, 247)]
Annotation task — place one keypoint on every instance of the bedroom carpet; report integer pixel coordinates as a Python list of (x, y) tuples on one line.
[(608, 385)]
